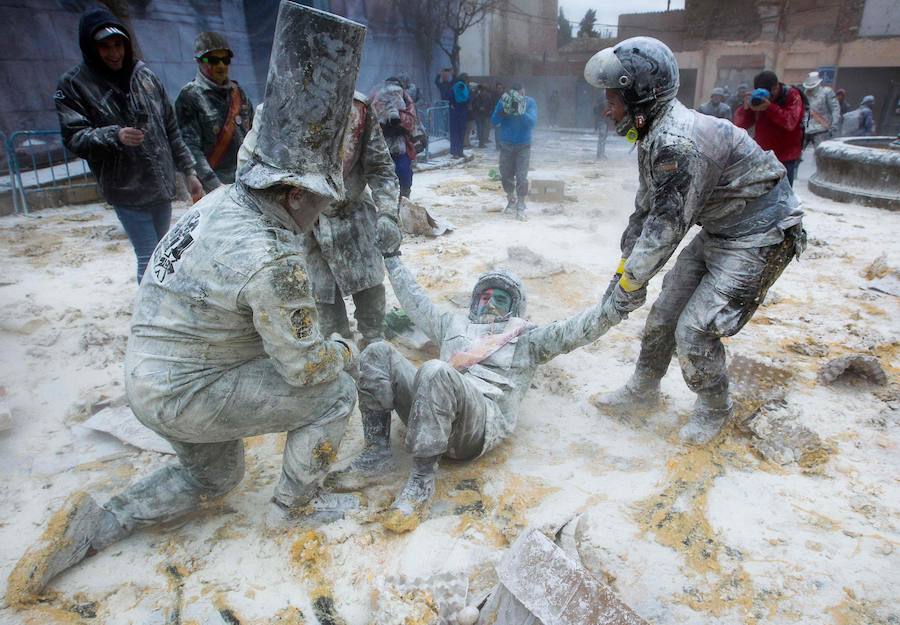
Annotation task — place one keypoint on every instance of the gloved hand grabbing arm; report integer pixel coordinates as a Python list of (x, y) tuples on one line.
[(628, 295), (387, 235)]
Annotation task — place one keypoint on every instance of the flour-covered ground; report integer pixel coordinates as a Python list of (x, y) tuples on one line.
[(711, 535)]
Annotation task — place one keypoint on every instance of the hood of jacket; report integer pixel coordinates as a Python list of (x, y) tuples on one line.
[(91, 21)]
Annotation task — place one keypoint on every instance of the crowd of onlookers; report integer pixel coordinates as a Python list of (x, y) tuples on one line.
[(788, 118), (115, 113)]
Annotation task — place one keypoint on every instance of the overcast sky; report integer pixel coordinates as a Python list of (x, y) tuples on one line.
[(608, 11)]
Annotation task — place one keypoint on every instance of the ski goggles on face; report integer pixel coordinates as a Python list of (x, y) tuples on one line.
[(215, 60)]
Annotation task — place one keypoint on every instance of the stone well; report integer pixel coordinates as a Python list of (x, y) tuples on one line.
[(859, 169)]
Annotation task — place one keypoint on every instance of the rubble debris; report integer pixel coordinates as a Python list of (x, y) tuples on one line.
[(808, 347), (859, 366), (529, 264), (540, 584), (777, 434), (878, 268), (120, 422), (753, 384), (546, 189), (432, 600), (416, 219)]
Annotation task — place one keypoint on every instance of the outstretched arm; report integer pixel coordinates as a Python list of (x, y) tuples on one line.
[(415, 301), (560, 337)]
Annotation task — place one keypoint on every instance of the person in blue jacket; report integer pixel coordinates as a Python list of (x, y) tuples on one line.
[(459, 114), (516, 114)]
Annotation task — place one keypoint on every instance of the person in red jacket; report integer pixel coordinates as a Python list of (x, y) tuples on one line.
[(778, 120)]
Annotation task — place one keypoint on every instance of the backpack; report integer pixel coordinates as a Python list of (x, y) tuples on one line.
[(804, 116), (460, 92)]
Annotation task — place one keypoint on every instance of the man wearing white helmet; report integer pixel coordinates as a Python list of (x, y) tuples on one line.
[(466, 402), (716, 105), (694, 169)]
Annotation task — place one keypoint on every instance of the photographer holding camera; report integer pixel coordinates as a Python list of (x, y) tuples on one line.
[(776, 111)]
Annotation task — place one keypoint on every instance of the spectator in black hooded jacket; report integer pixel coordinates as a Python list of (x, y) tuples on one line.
[(114, 113)]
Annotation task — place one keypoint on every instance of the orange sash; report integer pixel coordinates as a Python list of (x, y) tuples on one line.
[(487, 345), (223, 141)]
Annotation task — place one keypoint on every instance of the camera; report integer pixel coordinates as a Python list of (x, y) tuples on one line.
[(758, 96), (140, 120)]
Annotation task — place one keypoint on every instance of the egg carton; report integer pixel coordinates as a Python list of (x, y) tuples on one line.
[(448, 590)]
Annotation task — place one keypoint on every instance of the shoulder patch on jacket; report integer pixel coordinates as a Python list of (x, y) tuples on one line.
[(668, 166)]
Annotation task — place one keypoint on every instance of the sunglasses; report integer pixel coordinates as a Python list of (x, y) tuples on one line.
[(215, 60)]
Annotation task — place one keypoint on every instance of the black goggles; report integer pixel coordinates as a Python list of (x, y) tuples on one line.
[(215, 60)]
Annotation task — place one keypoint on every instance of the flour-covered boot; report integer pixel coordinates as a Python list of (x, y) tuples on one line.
[(640, 392), (520, 209), (373, 463), (510, 203), (712, 410), (77, 530), (324, 507), (411, 505)]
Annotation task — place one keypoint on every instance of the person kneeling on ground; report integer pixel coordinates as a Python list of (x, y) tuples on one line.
[(224, 341), (694, 169), (465, 403)]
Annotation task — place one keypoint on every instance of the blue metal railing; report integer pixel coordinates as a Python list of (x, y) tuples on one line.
[(437, 123), (38, 163)]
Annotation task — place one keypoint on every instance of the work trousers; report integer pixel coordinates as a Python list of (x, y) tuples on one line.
[(145, 226), (369, 314), (711, 292), (444, 413), (458, 121), (484, 130), (207, 434), (514, 161)]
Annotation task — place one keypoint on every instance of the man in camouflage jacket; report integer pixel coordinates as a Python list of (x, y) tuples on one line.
[(342, 256), (202, 109)]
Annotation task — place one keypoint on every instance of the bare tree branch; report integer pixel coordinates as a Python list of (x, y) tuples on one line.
[(442, 22)]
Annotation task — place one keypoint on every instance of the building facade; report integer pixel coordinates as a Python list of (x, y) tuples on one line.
[(855, 43)]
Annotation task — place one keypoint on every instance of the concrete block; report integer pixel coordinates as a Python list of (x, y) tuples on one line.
[(546, 190)]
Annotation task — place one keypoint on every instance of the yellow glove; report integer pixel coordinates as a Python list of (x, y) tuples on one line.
[(621, 268), (629, 284)]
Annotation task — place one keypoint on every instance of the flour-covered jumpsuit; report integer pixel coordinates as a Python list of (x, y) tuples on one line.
[(696, 169), (342, 257), (225, 344), (463, 414)]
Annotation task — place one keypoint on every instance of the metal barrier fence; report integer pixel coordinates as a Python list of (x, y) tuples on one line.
[(437, 123), (37, 163)]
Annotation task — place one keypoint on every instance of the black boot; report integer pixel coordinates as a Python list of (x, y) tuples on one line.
[(373, 463), (411, 505)]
